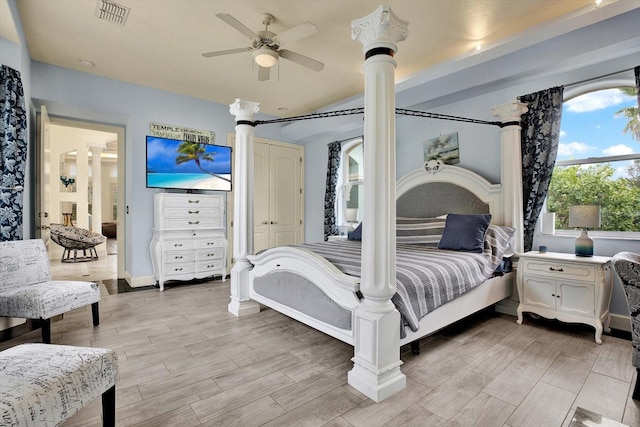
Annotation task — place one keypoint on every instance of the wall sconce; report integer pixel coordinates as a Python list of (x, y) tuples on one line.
[(584, 217)]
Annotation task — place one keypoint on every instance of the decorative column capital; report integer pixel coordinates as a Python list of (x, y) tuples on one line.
[(244, 110), (510, 112), (380, 29)]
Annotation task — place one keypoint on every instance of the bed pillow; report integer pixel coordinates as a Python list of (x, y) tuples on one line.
[(498, 242), (355, 234), (465, 232), (419, 231)]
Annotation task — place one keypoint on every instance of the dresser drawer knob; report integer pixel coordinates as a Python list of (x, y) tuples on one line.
[(177, 269), (177, 257), (194, 201), (177, 245), (556, 269), (194, 222), (194, 212)]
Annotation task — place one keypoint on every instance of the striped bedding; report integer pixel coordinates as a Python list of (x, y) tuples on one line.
[(426, 277)]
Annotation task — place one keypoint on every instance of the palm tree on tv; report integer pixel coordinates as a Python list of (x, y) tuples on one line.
[(195, 151)]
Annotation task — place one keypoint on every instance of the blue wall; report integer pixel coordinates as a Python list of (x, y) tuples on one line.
[(84, 96)]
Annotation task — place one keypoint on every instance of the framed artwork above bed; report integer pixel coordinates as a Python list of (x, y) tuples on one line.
[(443, 147)]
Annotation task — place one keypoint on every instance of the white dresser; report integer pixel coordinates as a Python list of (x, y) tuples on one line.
[(566, 287), (188, 237)]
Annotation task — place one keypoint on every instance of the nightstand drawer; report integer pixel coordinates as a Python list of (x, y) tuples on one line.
[(560, 270)]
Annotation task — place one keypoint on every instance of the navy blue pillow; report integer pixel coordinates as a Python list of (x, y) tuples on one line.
[(464, 232), (355, 234)]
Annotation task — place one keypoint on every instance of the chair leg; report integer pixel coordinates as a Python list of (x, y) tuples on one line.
[(636, 390), (96, 314), (45, 324), (109, 407)]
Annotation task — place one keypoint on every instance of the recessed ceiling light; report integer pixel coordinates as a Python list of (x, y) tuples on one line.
[(478, 47), (598, 3), (86, 63)]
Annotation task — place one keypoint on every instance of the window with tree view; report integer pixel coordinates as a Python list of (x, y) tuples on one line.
[(351, 176), (598, 159)]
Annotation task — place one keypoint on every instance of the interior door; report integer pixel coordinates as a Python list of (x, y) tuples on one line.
[(286, 194), (44, 178), (278, 198), (261, 189)]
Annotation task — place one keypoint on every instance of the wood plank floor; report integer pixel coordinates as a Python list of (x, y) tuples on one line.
[(185, 361)]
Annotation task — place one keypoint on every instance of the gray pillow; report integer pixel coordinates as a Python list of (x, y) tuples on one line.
[(465, 232), (419, 231)]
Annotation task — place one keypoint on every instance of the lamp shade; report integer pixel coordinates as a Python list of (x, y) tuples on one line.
[(584, 216), (265, 57)]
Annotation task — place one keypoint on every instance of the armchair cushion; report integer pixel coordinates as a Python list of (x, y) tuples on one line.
[(627, 267), (47, 299)]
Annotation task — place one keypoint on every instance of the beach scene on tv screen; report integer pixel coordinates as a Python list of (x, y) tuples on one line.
[(188, 165)]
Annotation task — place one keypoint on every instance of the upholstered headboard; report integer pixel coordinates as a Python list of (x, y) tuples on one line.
[(422, 194)]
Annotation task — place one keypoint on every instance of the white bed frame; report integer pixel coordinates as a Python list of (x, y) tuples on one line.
[(341, 288), (375, 321)]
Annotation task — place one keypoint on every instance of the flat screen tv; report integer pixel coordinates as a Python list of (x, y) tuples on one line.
[(175, 164)]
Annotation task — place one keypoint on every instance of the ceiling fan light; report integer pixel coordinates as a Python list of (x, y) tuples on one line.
[(265, 57)]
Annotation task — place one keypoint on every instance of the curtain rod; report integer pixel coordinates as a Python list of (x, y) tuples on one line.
[(346, 139), (593, 79)]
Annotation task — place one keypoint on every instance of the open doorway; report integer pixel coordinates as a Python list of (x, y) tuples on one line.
[(80, 183)]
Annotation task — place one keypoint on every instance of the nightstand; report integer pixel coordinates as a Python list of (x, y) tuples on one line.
[(566, 287)]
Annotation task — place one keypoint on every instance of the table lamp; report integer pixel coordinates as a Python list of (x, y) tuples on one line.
[(584, 217)]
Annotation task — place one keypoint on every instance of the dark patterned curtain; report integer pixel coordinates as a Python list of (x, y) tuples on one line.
[(637, 72), (13, 153), (540, 134), (333, 165)]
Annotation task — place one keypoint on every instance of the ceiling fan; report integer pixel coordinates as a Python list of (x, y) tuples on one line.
[(265, 46)]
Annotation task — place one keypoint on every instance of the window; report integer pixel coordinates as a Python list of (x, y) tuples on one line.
[(599, 159), (351, 190)]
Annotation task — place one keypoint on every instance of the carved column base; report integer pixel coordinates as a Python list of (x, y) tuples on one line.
[(240, 304), (376, 364)]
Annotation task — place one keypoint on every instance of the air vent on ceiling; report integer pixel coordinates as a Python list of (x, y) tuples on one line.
[(111, 11)]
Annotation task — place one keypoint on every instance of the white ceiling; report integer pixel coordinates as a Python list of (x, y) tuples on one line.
[(161, 43)]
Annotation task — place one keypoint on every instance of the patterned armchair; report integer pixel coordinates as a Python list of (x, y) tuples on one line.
[(27, 291), (627, 267)]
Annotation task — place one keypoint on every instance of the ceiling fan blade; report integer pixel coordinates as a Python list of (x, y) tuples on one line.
[(263, 73), (237, 25), (305, 61), (303, 30), (225, 52)]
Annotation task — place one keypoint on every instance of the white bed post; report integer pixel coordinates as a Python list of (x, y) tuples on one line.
[(511, 167), (240, 304), (376, 363)]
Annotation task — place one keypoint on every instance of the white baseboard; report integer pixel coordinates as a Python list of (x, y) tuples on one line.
[(10, 322), (507, 306), (620, 322), (139, 282)]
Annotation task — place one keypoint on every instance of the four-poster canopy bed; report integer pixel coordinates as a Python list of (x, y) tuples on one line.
[(358, 308)]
